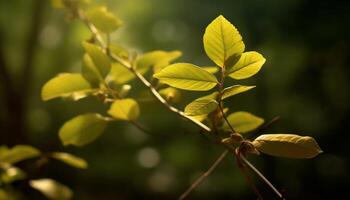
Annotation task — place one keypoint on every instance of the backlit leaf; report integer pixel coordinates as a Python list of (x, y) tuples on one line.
[(212, 70), (18, 153), (104, 20), (12, 174), (73, 86), (287, 145), (82, 129), (90, 72), (125, 109), (248, 65), (187, 76), (119, 74), (236, 89), (99, 58), (222, 41), (52, 189), (200, 107), (70, 159), (244, 122)]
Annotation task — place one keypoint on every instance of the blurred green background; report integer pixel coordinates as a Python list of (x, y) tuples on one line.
[(305, 81)]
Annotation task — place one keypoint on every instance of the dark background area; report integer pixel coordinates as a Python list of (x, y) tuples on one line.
[(305, 81)]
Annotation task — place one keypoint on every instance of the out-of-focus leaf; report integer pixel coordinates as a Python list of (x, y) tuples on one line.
[(119, 74), (70, 159), (52, 189), (18, 153), (104, 20), (222, 41), (119, 51), (244, 122), (82, 129), (90, 73), (287, 145), (125, 109), (73, 86), (236, 89), (248, 65), (187, 76), (99, 58), (12, 174), (171, 94)]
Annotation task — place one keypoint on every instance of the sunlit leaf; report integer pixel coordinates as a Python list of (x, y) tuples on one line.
[(104, 20), (18, 153), (119, 51), (244, 122), (125, 109), (90, 72), (287, 145), (187, 76), (171, 94), (200, 107), (99, 58), (236, 89), (73, 86), (82, 129), (222, 42), (52, 189), (70, 159), (12, 174), (212, 70), (248, 65), (119, 74)]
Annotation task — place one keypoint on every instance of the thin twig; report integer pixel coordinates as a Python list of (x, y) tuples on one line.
[(255, 170), (200, 179), (139, 76)]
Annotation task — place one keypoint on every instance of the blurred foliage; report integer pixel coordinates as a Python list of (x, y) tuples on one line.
[(304, 81)]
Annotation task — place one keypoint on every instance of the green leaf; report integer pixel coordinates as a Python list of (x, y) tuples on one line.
[(70, 159), (57, 3), (212, 70), (66, 85), (99, 58), (104, 20), (12, 174), (171, 94), (236, 89), (119, 74), (248, 65), (82, 129), (187, 76), (287, 145), (201, 107), (125, 109), (222, 42), (244, 122), (119, 51), (90, 72), (18, 153), (52, 189)]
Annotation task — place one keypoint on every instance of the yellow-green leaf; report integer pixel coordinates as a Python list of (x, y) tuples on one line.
[(82, 129), (57, 3), (99, 58), (125, 109), (287, 145), (243, 121), (73, 86), (235, 89), (119, 74), (187, 76), (248, 65), (18, 153), (90, 72), (222, 41), (52, 189), (104, 20), (12, 174), (70, 159), (200, 107), (171, 94), (212, 70), (119, 51)]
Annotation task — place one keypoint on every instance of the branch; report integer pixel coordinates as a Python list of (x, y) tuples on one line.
[(155, 93), (200, 179), (255, 170)]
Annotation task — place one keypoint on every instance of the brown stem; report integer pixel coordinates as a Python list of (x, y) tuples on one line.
[(200, 179)]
